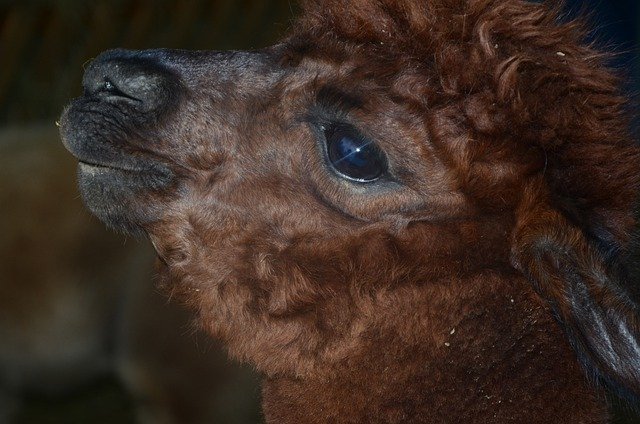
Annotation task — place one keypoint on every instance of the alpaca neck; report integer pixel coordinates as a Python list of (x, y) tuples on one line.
[(508, 363)]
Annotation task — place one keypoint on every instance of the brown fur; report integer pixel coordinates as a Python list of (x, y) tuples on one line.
[(430, 297)]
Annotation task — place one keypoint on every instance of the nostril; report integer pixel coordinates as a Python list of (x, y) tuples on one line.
[(138, 78), (108, 89)]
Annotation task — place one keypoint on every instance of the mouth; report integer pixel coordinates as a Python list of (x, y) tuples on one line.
[(98, 135), (120, 183), (94, 167)]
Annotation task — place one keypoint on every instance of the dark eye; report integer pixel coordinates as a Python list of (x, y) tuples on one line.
[(353, 155)]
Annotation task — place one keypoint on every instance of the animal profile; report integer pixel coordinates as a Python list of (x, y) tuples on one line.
[(407, 211)]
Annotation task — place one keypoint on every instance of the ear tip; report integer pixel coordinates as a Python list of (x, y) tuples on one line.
[(604, 327), (590, 300)]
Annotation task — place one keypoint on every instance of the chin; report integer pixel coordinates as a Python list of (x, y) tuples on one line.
[(119, 184), (121, 199)]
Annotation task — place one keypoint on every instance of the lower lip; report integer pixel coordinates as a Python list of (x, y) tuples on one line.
[(94, 169)]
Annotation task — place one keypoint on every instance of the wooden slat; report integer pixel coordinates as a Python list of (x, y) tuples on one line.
[(182, 17), (140, 23), (43, 45), (14, 36)]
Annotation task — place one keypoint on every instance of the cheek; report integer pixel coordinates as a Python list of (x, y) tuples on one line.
[(255, 258), (268, 305)]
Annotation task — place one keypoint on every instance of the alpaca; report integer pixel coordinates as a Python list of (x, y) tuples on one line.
[(407, 211)]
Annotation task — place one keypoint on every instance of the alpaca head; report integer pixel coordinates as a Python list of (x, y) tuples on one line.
[(384, 150)]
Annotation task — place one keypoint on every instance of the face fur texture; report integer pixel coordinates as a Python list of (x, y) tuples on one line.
[(442, 188)]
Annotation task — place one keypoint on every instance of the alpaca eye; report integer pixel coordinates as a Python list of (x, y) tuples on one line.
[(354, 156)]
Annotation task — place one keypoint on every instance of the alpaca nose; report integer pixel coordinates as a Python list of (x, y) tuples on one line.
[(139, 78)]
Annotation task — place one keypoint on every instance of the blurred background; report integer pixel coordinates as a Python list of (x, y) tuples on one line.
[(84, 336)]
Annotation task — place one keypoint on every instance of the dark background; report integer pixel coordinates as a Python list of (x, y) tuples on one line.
[(142, 360)]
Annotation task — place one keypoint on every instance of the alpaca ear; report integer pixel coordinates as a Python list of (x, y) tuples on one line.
[(599, 317)]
